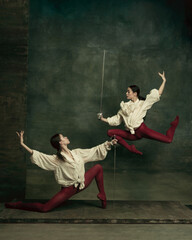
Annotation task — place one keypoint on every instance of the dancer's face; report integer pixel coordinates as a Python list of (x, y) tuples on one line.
[(63, 140), (130, 94)]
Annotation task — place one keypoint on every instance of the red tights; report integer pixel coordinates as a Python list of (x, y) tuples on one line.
[(65, 193), (143, 132)]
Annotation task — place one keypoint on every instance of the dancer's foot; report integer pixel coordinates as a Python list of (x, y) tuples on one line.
[(102, 198), (175, 122), (134, 150), (12, 204), (171, 131)]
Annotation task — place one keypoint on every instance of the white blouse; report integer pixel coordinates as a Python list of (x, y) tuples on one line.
[(132, 113), (71, 171)]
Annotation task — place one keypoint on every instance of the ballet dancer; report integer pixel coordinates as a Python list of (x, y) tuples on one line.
[(68, 167), (132, 113)]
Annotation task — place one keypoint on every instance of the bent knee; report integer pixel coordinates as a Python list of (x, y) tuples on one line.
[(99, 167), (110, 132), (45, 209)]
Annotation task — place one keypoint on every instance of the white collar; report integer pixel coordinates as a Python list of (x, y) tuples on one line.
[(131, 102), (67, 157)]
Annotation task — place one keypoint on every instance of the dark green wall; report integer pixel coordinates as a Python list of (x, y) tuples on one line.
[(67, 39), (13, 78)]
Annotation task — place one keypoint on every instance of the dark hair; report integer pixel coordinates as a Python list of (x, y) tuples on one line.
[(136, 89), (55, 143)]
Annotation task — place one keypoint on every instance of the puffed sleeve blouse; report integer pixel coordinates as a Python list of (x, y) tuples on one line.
[(132, 113), (71, 171)]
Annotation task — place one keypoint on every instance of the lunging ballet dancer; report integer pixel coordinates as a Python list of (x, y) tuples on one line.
[(132, 113), (68, 167)]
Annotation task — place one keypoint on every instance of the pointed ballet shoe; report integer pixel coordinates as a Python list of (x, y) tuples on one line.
[(134, 150), (175, 122), (103, 200)]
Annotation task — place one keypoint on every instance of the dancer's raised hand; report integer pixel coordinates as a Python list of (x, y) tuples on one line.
[(161, 89), (20, 135), (162, 76)]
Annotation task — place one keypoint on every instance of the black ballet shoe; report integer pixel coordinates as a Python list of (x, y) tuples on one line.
[(103, 200), (175, 122)]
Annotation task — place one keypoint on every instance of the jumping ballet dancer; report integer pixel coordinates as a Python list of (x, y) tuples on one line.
[(132, 113), (68, 167)]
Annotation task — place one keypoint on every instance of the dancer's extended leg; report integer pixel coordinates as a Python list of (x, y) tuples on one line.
[(65, 193), (97, 172), (144, 131), (120, 134), (58, 199)]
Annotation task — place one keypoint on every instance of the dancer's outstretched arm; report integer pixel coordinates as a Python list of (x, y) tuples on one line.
[(163, 83), (116, 120), (96, 153), (20, 135), (103, 119)]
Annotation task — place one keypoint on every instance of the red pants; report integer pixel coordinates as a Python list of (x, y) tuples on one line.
[(143, 132), (65, 193)]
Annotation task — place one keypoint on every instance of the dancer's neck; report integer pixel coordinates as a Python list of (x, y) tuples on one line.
[(65, 149), (134, 99)]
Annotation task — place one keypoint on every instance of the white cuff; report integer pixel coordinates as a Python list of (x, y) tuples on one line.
[(107, 146)]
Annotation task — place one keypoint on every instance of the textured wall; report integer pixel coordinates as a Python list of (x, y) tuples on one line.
[(67, 39), (13, 75)]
